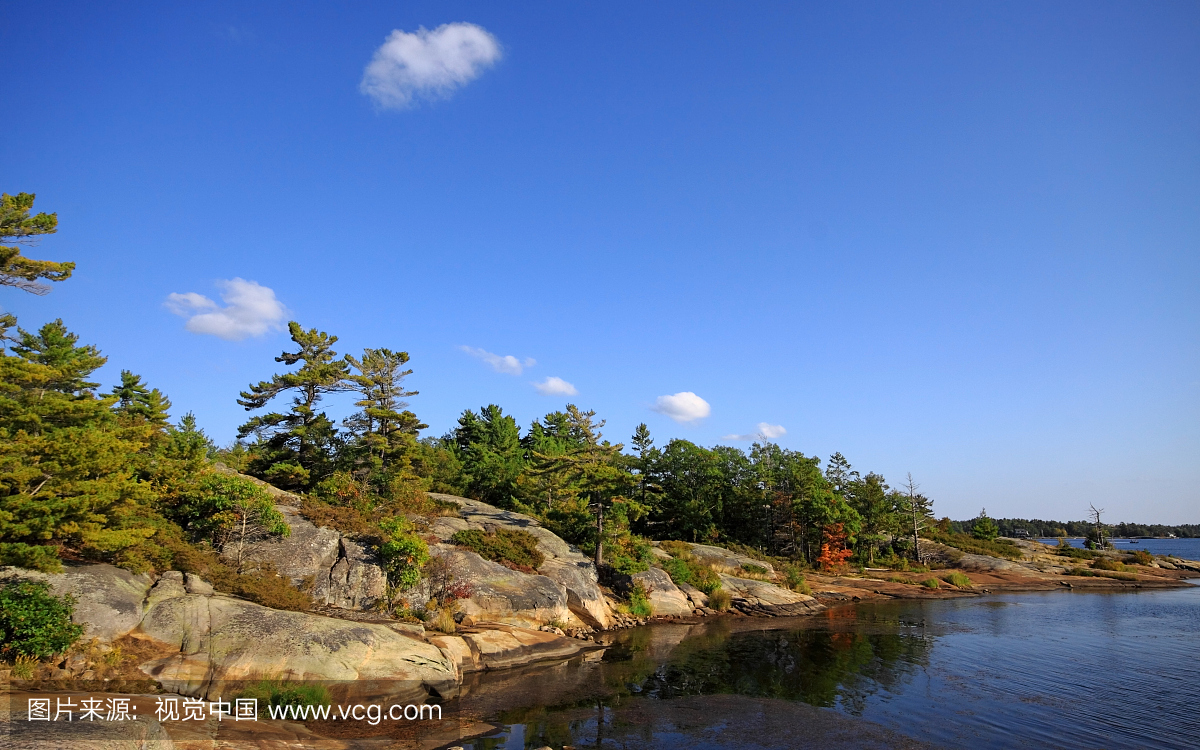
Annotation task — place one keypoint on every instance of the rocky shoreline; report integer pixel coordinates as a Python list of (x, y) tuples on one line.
[(176, 634)]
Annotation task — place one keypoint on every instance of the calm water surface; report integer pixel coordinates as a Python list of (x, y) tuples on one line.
[(1055, 669), (1188, 549)]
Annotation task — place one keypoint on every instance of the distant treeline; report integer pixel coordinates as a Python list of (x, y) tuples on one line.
[(1037, 527)]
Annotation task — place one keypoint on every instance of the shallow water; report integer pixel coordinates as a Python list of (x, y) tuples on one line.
[(1057, 669)]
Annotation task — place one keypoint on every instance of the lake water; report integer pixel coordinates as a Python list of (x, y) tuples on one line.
[(1188, 549), (1061, 669)]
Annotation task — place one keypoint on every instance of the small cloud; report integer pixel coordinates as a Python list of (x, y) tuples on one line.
[(250, 310), (427, 64), (507, 364), (765, 432), (237, 34), (553, 386), (682, 407)]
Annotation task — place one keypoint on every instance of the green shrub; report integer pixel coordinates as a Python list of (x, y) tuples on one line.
[(794, 579), (277, 692), (692, 573), (957, 579), (516, 548), (639, 601), (720, 599), (677, 549), (628, 554), (402, 554), (35, 623), (1104, 563), (931, 583), (755, 570), (898, 579), (30, 556), (1141, 557)]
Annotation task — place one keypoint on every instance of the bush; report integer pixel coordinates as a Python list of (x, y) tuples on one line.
[(1141, 557), (402, 554), (677, 549), (444, 621), (30, 556), (720, 599), (754, 570), (515, 548), (35, 623), (931, 583), (1104, 563), (692, 573), (957, 579), (277, 692), (794, 579), (639, 601), (628, 554)]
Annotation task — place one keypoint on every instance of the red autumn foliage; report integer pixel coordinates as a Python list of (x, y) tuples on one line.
[(833, 550)]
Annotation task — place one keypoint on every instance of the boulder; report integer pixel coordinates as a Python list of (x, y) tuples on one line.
[(698, 597), (219, 638), (564, 563), (504, 595), (665, 597), (108, 600), (725, 561), (342, 572), (584, 598), (761, 592)]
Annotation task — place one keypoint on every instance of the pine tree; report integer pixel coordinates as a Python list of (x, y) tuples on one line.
[(17, 226), (294, 448), (386, 431), (136, 401), (67, 466), (489, 446), (55, 347), (984, 527)]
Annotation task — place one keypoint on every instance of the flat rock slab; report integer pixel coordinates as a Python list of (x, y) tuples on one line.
[(761, 592), (219, 638), (725, 561), (500, 646)]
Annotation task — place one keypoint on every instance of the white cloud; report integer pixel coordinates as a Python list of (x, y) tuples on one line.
[(765, 431), (427, 64), (682, 407), (250, 310), (553, 386), (507, 363)]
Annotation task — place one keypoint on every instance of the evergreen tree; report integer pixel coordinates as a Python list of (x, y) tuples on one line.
[(68, 365), (984, 527), (385, 431), (489, 446), (136, 401), (870, 498), (68, 474), (294, 449), (18, 227), (917, 511), (591, 473)]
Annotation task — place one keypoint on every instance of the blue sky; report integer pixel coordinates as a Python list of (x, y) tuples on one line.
[(958, 240)]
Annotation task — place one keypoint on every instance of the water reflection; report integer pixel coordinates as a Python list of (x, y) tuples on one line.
[(1060, 669)]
